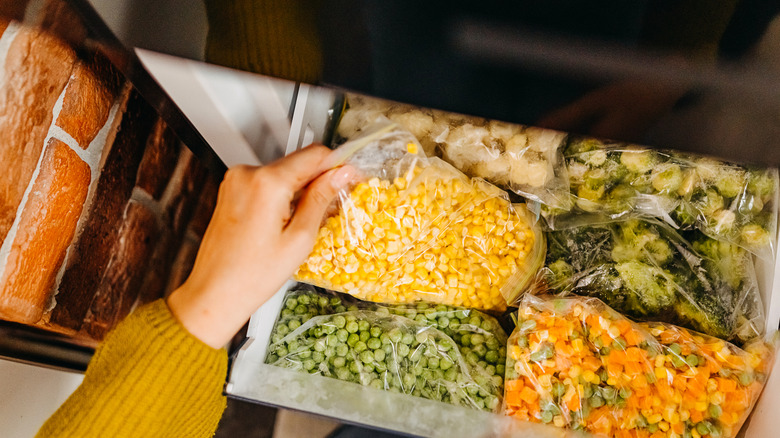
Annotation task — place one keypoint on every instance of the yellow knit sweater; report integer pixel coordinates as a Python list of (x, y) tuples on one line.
[(149, 378)]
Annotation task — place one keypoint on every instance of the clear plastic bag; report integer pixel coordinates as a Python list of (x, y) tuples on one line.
[(576, 363), (728, 202), (525, 160), (648, 271), (442, 353), (419, 230)]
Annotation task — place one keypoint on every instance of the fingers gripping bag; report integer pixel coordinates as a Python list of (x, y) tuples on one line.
[(416, 229), (648, 271), (525, 160), (728, 202), (384, 350), (576, 363)]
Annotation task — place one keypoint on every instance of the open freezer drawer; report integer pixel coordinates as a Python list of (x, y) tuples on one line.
[(251, 379)]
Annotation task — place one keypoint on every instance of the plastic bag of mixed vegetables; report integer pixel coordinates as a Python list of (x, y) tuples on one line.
[(646, 270), (728, 202), (442, 353), (576, 363), (525, 160), (416, 229)]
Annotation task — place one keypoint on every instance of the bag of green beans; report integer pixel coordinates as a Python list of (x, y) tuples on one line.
[(441, 353)]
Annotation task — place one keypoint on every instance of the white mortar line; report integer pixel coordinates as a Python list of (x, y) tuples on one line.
[(5, 44), (5, 249), (94, 154)]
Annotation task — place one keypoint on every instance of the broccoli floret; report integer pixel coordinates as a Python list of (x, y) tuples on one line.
[(667, 178), (754, 236), (560, 274), (635, 240), (638, 160), (653, 289), (730, 181), (762, 183), (708, 202), (684, 215), (580, 145), (703, 312)]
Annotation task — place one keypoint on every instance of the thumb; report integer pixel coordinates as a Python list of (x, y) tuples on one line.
[(313, 203)]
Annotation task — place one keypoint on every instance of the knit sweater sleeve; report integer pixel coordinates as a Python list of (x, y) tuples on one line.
[(150, 377)]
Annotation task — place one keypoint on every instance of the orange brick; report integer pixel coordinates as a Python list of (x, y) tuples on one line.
[(46, 228)]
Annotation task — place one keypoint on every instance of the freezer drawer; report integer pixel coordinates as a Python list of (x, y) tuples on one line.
[(253, 380)]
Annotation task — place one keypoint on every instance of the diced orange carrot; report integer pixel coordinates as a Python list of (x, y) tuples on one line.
[(726, 385), (529, 395)]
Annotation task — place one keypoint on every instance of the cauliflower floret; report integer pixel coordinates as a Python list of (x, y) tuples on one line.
[(577, 171), (517, 145), (495, 170), (467, 135), (502, 130), (667, 178), (544, 140), (529, 173), (417, 122)]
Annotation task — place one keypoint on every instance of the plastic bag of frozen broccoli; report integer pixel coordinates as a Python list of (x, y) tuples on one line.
[(417, 229), (525, 160), (647, 270), (729, 202), (575, 363), (442, 353)]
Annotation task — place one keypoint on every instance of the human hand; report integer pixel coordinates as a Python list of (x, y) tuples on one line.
[(255, 241), (622, 111)]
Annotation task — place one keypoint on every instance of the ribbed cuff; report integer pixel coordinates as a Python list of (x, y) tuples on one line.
[(150, 377)]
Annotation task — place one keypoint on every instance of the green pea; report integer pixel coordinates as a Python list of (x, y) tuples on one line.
[(374, 343), (342, 335), (678, 362), (339, 362), (652, 428), (309, 364), (353, 339), (444, 322), (477, 339), (490, 369), (422, 337), (335, 301), (407, 339), (304, 300), (343, 373), (403, 350), (376, 332), (596, 401), (359, 347), (547, 416), (462, 313), (451, 374), (536, 356), (380, 366), (558, 389), (292, 346), (522, 342), (703, 428), (465, 340), (342, 350), (609, 393), (384, 338), (454, 324), (364, 325), (528, 325), (388, 348), (305, 354), (301, 309), (745, 379), (330, 351), (383, 311), (715, 411), (354, 367), (624, 393), (332, 339), (480, 350), (320, 345), (339, 321), (291, 303), (364, 336), (341, 309), (293, 324), (445, 345), (395, 335), (491, 356), (445, 363), (619, 343), (282, 329), (318, 356), (351, 308), (367, 357), (500, 369), (475, 321), (379, 355), (352, 326), (433, 362), (676, 349), (692, 360)]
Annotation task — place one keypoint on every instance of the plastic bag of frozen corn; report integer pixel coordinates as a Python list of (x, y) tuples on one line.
[(417, 229), (576, 363), (441, 353)]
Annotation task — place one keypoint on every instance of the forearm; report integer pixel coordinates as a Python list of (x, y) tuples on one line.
[(150, 377)]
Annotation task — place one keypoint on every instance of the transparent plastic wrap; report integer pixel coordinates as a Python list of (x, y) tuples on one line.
[(440, 353), (648, 271), (417, 229), (576, 363), (728, 202), (525, 160)]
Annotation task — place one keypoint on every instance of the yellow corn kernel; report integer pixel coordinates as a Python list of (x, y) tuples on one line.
[(695, 433), (558, 421), (575, 370), (655, 418), (663, 425), (700, 406), (589, 376)]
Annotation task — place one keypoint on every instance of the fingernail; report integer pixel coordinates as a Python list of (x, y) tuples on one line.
[(342, 176)]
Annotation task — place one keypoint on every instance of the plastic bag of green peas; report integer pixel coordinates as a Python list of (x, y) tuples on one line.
[(436, 352)]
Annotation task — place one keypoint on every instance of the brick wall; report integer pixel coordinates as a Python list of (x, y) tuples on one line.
[(102, 208)]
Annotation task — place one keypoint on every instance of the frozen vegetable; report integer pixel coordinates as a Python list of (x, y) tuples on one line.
[(526, 160), (737, 204), (648, 271), (576, 363), (419, 230), (442, 353)]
